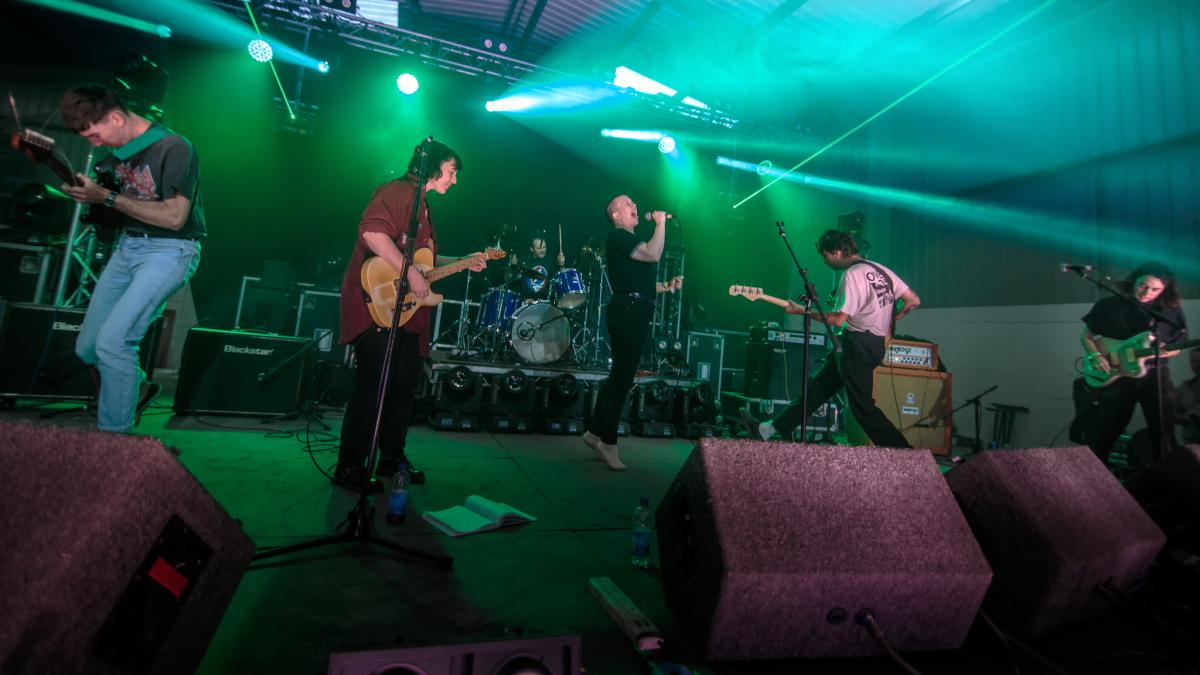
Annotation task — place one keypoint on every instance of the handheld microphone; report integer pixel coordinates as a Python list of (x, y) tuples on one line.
[(1077, 268), (650, 216)]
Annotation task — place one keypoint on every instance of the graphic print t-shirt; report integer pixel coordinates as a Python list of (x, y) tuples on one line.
[(166, 168), (863, 294)]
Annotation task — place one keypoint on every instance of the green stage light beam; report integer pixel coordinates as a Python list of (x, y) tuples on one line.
[(912, 92), (1030, 225), (100, 14), (270, 62)]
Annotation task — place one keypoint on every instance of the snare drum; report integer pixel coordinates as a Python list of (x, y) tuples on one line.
[(540, 333), (497, 307), (569, 289)]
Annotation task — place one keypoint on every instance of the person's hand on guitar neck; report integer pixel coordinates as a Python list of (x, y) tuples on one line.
[(87, 192)]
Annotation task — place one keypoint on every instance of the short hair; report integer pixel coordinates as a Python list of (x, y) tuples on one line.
[(609, 208), (837, 240), (87, 104), (438, 154), (1170, 294)]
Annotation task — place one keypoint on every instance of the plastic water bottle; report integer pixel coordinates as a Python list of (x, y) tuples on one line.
[(641, 533), (398, 499)]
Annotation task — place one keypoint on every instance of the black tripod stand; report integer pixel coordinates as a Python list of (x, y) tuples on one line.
[(810, 300), (977, 401), (360, 521)]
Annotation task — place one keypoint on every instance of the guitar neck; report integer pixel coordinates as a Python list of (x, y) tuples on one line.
[(446, 270), (778, 302), (1149, 351)]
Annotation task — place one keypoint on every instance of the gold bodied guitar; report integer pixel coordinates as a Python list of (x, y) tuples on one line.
[(380, 281), (1127, 358)]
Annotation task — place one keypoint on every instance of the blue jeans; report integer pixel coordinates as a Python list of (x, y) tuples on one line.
[(131, 293)]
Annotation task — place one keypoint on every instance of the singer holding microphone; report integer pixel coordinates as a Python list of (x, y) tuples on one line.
[(632, 272)]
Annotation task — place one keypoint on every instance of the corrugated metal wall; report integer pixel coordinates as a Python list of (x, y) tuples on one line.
[(1088, 134)]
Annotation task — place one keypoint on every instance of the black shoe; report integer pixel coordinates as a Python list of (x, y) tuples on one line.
[(386, 468), (415, 475), (750, 423), (352, 479)]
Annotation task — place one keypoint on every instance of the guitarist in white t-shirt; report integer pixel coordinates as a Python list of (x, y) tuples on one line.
[(870, 297)]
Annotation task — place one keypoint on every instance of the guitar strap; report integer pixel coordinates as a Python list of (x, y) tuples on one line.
[(887, 279), (148, 138)]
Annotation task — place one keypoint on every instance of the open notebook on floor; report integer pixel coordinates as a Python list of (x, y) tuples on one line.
[(477, 514)]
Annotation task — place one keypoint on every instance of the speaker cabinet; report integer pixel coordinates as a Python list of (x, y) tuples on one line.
[(917, 402), (549, 655), (1169, 490), (37, 353), (775, 363), (127, 571), (1054, 523), (769, 550), (234, 373)]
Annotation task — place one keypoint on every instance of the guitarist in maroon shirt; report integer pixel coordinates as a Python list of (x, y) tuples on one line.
[(1152, 287)]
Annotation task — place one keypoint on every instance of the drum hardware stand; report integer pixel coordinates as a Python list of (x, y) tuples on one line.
[(360, 521), (810, 300)]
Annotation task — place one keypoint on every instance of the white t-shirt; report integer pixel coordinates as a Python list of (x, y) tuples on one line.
[(863, 295)]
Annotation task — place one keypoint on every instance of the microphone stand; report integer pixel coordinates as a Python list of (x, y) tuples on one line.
[(360, 521), (306, 408), (977, 401), (1165, 436), (810, 300)]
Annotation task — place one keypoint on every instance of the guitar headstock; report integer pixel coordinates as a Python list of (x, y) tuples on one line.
[(748, 292), (36, 146)]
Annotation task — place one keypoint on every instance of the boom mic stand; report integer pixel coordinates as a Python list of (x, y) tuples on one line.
[(360, 521), (306, 409), (810, 300), (977, 401)]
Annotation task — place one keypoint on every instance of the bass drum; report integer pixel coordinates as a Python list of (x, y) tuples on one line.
[(540, 333)]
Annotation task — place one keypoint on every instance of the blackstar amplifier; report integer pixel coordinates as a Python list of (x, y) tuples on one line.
[(235, 373), (37, 353)]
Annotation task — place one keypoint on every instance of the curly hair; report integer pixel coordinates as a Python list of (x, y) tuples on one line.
[(1170, 295), (836, 240), (87, 104)]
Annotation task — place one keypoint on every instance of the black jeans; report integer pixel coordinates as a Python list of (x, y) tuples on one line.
[(1114, 406), (359, 421), (854, 370), (628, 327)]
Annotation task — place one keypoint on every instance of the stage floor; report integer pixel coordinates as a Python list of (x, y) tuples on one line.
[(289, 613)]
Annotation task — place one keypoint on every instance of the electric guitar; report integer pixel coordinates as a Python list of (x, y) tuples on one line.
[(381, 281), (754, 294), (1127, 358), (106, 222)]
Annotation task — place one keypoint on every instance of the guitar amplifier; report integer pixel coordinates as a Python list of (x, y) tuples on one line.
[(705, 357), (918, 402), (774, 363), (37, 353), (911, 354), (235, 373)]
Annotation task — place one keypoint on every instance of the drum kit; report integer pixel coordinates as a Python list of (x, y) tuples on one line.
[(539, 317)]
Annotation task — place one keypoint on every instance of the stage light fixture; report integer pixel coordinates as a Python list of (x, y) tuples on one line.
[(764, 167), (666, 145), (323, 67), (513, 384), (407, 84), (688, 100), (626, 78), (460, 378), (511, 103), (260, 50), (565, 386)]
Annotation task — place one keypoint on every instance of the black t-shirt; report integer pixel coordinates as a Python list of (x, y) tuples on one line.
[(166, 168), (1119, 319), (624, 273)]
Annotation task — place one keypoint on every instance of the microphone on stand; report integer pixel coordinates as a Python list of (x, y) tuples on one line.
[(1076, 268)]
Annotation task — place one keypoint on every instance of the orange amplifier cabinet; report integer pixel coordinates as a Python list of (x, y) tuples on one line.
[(911, 354), (918, 402)]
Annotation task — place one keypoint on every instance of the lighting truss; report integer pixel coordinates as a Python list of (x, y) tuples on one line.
[(307, 16)]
